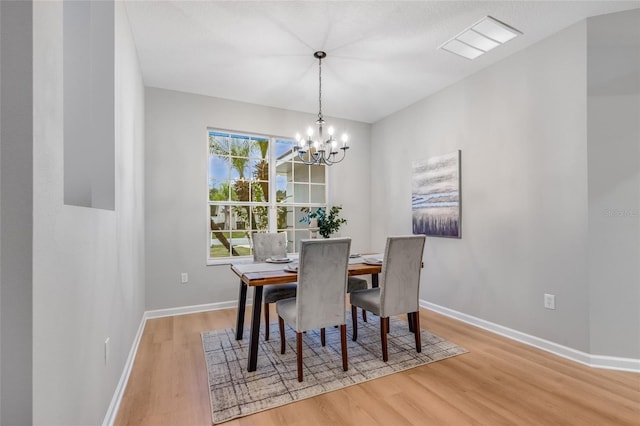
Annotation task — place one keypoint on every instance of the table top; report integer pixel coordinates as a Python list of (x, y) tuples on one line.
[(262, 273)]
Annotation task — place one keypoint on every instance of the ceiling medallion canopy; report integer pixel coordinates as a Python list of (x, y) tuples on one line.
[(316, 150)]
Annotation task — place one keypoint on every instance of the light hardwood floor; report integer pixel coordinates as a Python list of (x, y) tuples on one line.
[(498, 382)]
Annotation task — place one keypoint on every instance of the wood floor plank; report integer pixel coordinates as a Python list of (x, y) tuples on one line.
[(498, 382)]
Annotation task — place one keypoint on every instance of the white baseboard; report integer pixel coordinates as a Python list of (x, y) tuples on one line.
[(184, 310), (112, 412), (596, 361)]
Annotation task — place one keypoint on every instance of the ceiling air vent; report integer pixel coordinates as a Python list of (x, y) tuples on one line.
[(480, 38)]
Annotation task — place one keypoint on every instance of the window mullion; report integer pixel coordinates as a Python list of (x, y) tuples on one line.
[(273, 203)]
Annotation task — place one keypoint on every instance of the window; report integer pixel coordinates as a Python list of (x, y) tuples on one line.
[(256, 183)]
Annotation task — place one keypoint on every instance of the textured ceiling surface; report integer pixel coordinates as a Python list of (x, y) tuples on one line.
[(382, 55)]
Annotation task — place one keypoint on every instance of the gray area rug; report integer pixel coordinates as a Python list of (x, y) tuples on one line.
[(235, 392)]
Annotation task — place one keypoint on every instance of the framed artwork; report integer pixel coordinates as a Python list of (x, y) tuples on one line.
[(435, 190)]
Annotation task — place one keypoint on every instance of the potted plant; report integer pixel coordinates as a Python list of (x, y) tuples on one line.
[(328, 223)]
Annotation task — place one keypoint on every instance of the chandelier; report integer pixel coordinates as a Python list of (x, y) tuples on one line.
[(316, 150)]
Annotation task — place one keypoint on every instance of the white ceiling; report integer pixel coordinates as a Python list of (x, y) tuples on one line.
[(382, 55)]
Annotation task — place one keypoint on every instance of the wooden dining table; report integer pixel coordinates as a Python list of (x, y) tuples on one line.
[(260, 274)]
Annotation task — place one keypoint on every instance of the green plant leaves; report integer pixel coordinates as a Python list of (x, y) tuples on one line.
[(327, 223)]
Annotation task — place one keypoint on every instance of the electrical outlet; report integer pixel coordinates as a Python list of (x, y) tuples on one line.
[(106, 351), (184, 278), (549, 301)]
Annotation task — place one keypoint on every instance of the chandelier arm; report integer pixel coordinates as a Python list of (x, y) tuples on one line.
[(302, 159), (344, 154), (327, 158)]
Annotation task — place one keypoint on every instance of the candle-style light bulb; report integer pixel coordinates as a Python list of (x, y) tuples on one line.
[(345, 139), (309, 131), (330, 131), (298, 137)]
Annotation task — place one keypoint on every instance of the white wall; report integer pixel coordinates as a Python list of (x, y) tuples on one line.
[(176, 189), (614, 182), (88, 263), (540, 196), (521, 126)]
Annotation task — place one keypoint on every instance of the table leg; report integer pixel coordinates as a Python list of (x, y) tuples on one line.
[(255, 328), (374, 280), (242, 302)]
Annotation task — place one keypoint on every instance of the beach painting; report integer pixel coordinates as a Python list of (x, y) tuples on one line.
[(435, 194)]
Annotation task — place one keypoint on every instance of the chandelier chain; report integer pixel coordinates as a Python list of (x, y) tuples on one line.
[(320, 89)]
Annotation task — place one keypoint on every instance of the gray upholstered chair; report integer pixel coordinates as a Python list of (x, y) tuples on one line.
[(320, 303), (266, 245), (398, 290)]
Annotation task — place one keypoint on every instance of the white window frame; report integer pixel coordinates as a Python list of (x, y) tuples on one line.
[(272, 204)]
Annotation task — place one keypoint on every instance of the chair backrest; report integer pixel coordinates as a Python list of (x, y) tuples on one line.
[(322, 283), (266, 245), (400, 275)]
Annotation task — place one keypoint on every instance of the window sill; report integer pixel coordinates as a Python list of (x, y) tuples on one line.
[(229, 260)]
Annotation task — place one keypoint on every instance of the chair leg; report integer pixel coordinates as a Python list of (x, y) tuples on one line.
[(364, 315), (354, 321), (343, 346), (384, 327), (299, 348), (266, 321), (416, 327), (323, 339), (411, 322), (281, 324)]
